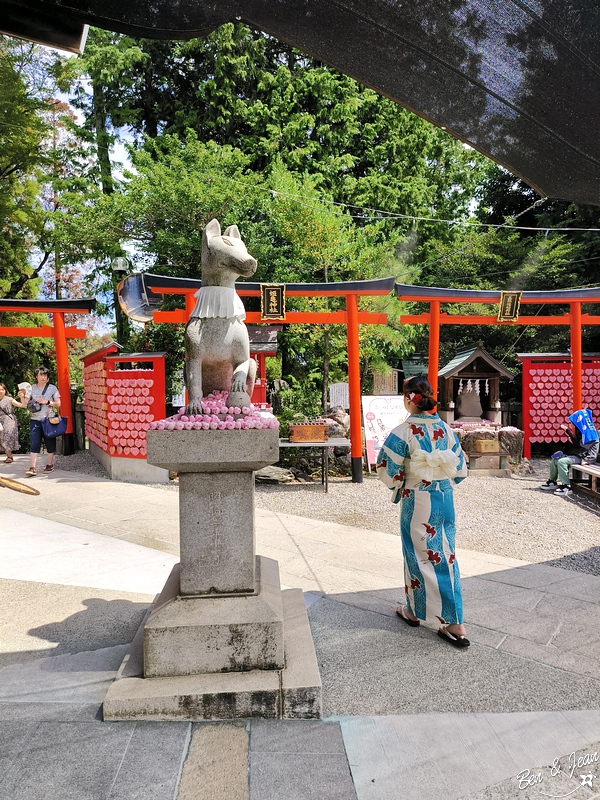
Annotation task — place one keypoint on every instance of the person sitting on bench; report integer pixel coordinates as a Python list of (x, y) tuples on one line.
[(582, 449)]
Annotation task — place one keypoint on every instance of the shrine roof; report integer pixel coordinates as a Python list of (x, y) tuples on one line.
[(466, 357), (100, 353)]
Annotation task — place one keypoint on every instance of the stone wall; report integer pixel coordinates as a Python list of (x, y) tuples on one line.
[(510, 439)]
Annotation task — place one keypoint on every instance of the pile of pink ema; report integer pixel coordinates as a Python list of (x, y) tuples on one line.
[(217, 416)]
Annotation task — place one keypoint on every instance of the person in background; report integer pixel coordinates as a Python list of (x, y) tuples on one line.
[(44, 396), (581, 449), (421, 460), (9, 435)]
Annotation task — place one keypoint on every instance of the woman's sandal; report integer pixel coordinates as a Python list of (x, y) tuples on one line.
[(414, 623), (9, 460), (453, 638)]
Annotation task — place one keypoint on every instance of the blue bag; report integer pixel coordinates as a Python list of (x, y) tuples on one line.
[(54, 426), (582, 420)]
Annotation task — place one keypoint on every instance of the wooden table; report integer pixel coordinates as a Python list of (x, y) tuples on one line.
[(324, 448)]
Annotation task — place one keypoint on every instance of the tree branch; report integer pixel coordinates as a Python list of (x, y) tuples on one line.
[(18, 285)]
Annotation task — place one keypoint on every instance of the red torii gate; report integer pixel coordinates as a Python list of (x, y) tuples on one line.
[(574, 298), (351, 317), (60, 333)]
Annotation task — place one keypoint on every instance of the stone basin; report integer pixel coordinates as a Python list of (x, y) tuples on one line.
[(213, 451)]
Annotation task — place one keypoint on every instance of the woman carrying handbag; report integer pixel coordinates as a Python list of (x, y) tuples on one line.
[(44, 396)]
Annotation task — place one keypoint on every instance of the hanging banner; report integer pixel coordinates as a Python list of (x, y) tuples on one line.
[(381, 414), (272, 301), (508, 310)]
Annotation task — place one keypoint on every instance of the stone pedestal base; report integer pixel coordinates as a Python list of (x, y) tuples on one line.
[(290, 693), (194, 635), (222, 641)]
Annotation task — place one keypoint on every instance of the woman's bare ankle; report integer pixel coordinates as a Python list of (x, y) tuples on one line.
[(456, 630)]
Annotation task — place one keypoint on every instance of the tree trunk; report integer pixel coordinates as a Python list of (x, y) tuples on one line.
[(57, 274), (103, 140)]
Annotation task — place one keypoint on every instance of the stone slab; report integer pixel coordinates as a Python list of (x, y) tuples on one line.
[(62, 711), (217, 532), (91, 761), (476, 751), (81, 678), (196, 635), (229, 695), (216, 767), (298, 761), (49, 551), (213, 451), (66, 761), (300, 680), (152, 763), (391, 668)]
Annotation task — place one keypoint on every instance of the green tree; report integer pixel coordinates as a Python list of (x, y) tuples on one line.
[(22, 133), (324, 245), (242, 88), (510, 245)]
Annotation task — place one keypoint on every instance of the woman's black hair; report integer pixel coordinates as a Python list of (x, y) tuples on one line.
[(41, 371), (418, 385)]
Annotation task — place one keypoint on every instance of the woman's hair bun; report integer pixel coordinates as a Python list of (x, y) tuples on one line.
[(423, 391)]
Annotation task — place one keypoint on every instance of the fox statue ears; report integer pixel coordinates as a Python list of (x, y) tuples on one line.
[(213, 229)]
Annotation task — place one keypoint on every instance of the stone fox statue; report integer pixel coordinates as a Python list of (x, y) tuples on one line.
[(217, 347)]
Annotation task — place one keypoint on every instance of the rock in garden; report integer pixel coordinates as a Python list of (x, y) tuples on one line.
[(274, 475)]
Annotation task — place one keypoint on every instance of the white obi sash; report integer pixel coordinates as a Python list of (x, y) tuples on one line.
[(436, 466)]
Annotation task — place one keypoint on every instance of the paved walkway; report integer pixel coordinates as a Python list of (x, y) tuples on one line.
[(405, 716)]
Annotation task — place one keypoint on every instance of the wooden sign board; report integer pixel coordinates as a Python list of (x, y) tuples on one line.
[(272, 301), (509, 306)]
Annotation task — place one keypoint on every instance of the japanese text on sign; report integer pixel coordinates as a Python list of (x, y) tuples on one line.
[(272, 301)]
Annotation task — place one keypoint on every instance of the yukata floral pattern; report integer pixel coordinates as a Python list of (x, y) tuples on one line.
[(420, 461)]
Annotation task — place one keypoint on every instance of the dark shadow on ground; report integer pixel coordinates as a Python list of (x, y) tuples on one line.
[(103, 623)]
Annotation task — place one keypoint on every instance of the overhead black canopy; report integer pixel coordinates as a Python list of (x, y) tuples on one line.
[(516, 79)]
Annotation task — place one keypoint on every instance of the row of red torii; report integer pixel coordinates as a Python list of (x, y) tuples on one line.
[(351, 317)]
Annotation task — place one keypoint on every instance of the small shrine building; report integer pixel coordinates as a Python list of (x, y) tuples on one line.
[(469, 387)]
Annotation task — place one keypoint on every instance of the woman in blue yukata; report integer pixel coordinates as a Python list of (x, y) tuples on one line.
[(420, 461)]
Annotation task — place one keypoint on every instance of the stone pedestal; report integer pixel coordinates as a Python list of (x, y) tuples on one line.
[(222, 640), (190, 635)]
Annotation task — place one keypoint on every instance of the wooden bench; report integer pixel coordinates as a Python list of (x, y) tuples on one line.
[(592, 471), (473, 455)]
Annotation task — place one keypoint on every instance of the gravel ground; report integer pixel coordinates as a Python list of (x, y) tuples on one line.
[(507, 517)]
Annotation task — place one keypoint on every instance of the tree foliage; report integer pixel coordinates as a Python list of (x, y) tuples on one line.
[(327, 180)]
